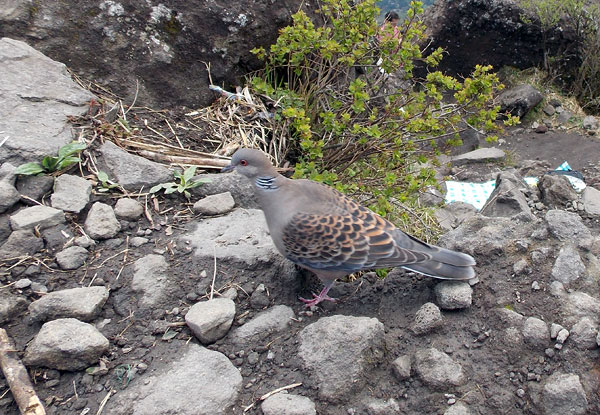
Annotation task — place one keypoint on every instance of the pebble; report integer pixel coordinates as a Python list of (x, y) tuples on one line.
[(23, 283)]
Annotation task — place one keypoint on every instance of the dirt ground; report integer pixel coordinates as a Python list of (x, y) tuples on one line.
[(473, 337)]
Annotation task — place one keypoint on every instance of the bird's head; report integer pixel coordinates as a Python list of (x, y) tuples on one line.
[(251, 163)]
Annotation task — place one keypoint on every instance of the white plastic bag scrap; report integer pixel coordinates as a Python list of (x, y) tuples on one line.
[(478, 193)]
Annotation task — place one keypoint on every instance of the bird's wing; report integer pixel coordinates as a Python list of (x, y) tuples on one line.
[(351, 241)]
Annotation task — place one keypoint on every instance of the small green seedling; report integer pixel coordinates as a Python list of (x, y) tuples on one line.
[(105, 183), (183, 182), (67, 156)]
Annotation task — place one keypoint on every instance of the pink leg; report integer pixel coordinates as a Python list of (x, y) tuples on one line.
[(321, 297)]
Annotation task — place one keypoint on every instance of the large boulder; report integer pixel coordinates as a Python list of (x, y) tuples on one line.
[(155, 50)]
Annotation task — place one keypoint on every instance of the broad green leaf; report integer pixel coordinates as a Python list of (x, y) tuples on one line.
[(189, 173), (102, 176), (67, 161), (71, 148), (49, 163), (29, 169), (156, 188), (169, 190)]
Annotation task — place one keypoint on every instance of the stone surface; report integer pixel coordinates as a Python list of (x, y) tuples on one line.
[(458, 408), (382, 407), (21, 243), (38, 95), (128, 209), (437, 369), (131, 171), (8, 196), (578, 304), (288, 404), (66, 344), (36, 216), (212, 205), (101, 222), (199, 382), (265, 323), (567, 226), (590, 122), (481, 155), (5, 229), (81, 303), (236, 184), (427, 319), (241, 236), (150, 278), (591, 201), (519, 100), (337, 364), (71, 258), (453, 295), (34, 187), (583, 334), (509, 197), (11, 306), (568, 266), (401, 367), (556, 190), (452, 215), (535, 332), (210, 320), (563, 394), (71, 193)]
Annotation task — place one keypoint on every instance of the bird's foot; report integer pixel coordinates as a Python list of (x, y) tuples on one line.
[(317, 299)]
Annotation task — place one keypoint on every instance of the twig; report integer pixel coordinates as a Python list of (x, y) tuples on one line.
[(18, 379), (174, 133), (206, 163), (104, 401), (269, 394), (212, 286)]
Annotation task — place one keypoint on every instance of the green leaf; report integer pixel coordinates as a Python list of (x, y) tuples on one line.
[(189, 173), (169, 190), (67, 161), (29, 169), (102, 176), (49, 163), (156, 188), (71, 148)]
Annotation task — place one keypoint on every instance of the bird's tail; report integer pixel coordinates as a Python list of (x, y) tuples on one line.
[(445, 264)]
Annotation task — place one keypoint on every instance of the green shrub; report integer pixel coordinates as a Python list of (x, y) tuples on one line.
[(351, 127), (67, 156), (183, 182)]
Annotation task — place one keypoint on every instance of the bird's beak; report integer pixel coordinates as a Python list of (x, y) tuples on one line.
[(227, 168)]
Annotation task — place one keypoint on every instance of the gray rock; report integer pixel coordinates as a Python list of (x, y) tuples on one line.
[(481, 155), (259, 298), (453, 214), (138, 241), (509, 197), (577, 304), (22, 283), (21, 243), (288, 404), (591, 201), (66, 344), (84, 241), (241, 236), (535, 332), (568, 266), (564, 116), (590, 122), (38, 95), (513, 337), (200, 382), (583, 334), (81, 303), (562, 336), (401, 367), (101, 222), (8, 196), (458, 408), (563, 394), (72, 257), (71, 193), (5, 229), (437, 369), (555, 329), (383, 407), (34, 187), (427, 318), (521, 267), (337, 351), (556, 190), (11, 306), (519, 100), (549, 110), (150, 278), (453, 295), (131, 171), (567, 226), (7, 173), (239, 187), (509, 317), (212, 205), (38, 216), (264, 324), (210, 320), (128, 209)]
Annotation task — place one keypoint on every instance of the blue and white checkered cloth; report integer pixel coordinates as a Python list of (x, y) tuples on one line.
[(478, 193)]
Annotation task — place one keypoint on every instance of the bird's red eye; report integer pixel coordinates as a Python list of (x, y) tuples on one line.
[(243, 162)]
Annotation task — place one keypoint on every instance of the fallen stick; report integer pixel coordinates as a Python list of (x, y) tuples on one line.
[(18, 379), (269, 394), (196, 161)]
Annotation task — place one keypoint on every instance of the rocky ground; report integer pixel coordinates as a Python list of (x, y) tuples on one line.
[(136, 305)]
